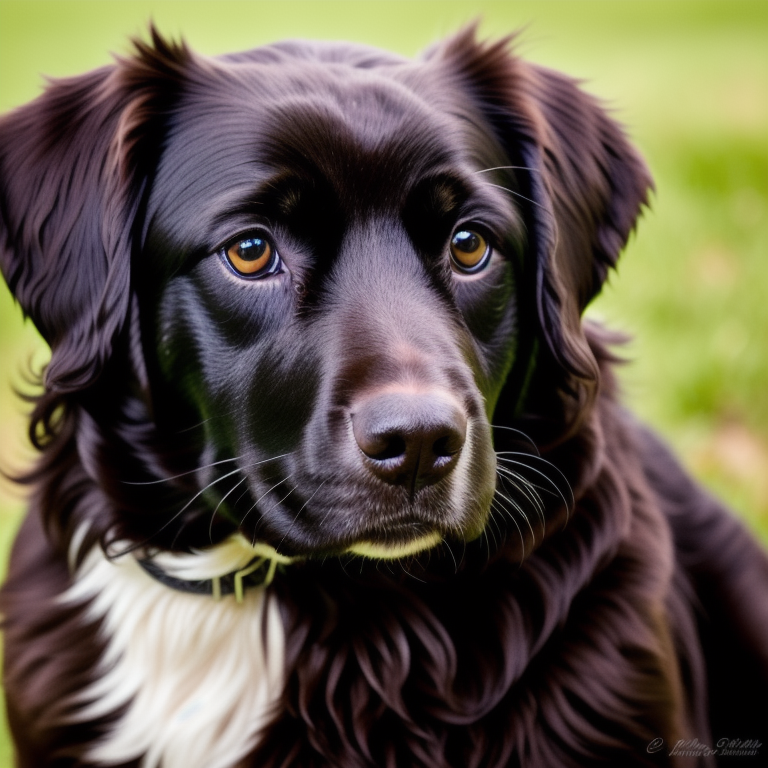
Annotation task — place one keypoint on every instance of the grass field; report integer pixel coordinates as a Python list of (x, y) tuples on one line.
[(689, 79)]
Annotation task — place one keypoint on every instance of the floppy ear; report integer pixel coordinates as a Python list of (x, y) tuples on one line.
[(73, 165), (581, 186)]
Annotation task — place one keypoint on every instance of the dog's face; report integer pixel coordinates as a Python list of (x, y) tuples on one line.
[(330, 270), (336, 301)]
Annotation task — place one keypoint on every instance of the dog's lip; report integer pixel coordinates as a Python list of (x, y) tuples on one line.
[(382, 551)]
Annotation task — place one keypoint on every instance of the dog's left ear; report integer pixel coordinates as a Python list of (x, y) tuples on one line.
[(580, 185), (73, 166)]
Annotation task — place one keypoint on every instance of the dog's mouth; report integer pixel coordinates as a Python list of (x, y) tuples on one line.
[(336, 531), (334, 515)]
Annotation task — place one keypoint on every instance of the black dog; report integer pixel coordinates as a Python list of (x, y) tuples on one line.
[(331, 470)]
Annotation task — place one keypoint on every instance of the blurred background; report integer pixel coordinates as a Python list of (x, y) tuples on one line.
[(689, 79)]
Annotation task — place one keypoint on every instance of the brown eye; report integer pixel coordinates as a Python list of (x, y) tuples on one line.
[(253, 257), (470, 251)]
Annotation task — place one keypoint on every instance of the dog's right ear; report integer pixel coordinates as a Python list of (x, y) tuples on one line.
[(581, 187), (74, 164)]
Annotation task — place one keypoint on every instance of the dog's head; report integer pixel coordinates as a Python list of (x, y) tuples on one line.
[(314, 274)]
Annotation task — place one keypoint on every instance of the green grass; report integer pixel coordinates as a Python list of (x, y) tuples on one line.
[(689, 79)]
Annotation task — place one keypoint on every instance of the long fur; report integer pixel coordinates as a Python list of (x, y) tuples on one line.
[(584, 601)]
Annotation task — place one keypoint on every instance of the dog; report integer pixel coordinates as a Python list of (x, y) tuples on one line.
[(332, 471)]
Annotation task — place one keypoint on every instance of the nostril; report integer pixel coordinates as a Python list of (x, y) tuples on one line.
[(382, 447), (448, 445)]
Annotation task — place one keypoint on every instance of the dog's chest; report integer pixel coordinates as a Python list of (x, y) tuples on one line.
[(197, 677)]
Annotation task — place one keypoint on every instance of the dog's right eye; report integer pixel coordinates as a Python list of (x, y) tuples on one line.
[(252, 257)]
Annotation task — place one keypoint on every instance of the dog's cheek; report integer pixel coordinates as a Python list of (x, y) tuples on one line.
[(234, 351), (283, 379), (207, 334), (489, 309), (176, 337)]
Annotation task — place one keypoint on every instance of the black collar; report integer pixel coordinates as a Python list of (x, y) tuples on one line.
[(259, 572)]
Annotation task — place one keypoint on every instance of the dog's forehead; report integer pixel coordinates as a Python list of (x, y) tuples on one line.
[(365, 131), (316, 98)]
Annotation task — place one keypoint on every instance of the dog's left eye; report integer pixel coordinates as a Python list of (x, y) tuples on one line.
[(252, 257), (470, 251)]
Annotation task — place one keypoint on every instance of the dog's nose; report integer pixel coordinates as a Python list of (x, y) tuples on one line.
[(409, 439)]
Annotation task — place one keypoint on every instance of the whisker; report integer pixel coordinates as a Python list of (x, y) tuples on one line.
[(485, 538), (497, 505), (520, 511), (463, 552), (183, 474), (223, 499), (410, 575), (524, 486), (501, 455), (175, 516), (200, 493), (517, 194), (518, 508), (509, 168), (238, 409), (303, 506), (453, 557), (280, 501), (196, 496), (204, 466), (534, 486), (521, 433), (269, 490), (489, 530), (313, 495)]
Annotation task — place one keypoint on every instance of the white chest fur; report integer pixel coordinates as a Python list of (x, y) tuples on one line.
[(199, 677)]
